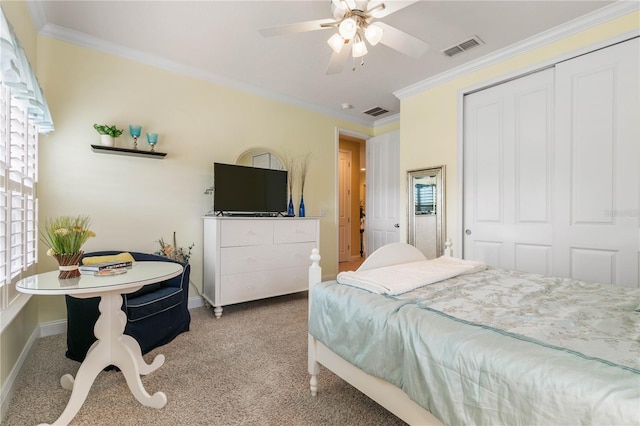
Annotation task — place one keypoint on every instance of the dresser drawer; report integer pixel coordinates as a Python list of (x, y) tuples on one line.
[(236, 260), (246, 232), (294, 231), (258, 285)]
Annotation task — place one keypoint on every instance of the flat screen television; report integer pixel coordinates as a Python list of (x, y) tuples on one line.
[(248, 190)]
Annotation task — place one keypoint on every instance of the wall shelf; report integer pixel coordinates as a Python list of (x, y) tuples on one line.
[(127, 151)]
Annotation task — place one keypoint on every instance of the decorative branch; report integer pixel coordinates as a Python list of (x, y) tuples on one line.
[(303, 168), (290, 167)]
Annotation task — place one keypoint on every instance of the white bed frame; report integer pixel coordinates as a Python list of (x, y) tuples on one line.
[(384, 393)]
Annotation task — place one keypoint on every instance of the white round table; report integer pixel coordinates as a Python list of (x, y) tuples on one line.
[(112, 347)]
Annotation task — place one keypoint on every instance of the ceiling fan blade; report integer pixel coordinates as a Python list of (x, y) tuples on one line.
[(401, 41), (299, 27), (390, 6), (338, 60)]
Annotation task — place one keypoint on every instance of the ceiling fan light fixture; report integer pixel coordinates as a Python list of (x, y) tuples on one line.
[(359, 48), (351, 4), (376, 9), (373, 33), (336, 42), (339, 8), (348, 28)]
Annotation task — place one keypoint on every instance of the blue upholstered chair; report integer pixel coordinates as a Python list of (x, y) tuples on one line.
[(156, 313)]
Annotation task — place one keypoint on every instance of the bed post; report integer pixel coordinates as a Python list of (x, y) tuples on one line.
[(447, 247), (315, 277)]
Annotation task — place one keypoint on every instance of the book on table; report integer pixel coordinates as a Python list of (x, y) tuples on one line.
[(105, 265)]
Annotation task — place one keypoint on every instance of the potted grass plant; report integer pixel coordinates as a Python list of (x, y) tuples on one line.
[(65, 235), (108, 134)]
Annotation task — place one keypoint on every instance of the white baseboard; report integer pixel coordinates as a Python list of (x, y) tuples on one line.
[(8, 386), (52, 328), (195, 302)]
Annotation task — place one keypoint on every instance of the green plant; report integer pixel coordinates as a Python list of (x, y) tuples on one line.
[(112, 131), (66, 234)]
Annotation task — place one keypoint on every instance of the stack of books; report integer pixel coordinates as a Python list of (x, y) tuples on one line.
[(106, 268)]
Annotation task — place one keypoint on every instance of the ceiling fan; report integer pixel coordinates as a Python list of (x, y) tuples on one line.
[(356, 22)]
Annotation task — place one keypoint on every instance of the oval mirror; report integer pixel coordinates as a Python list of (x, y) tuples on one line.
[(260, 157)]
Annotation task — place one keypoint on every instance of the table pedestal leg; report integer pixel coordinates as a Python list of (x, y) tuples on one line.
[(111, 348)]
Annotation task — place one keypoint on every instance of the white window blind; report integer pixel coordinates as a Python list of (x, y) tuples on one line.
[(23, 114), (18, 205)]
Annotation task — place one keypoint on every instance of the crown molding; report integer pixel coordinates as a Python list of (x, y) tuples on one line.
[(387, 120), (595, 18), (98, 44)]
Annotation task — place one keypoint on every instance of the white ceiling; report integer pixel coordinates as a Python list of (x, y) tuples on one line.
[(219, 41)]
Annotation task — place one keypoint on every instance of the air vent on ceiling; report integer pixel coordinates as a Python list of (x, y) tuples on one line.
[(463, 46), (376, 111)]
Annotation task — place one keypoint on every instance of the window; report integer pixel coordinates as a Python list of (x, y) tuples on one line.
[(425, 196), (18, 204), (23, 114)]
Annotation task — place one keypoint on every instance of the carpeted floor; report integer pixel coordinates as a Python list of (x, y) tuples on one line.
[(247, 368)]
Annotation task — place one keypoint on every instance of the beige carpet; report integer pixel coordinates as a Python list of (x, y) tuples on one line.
[(247, 368)]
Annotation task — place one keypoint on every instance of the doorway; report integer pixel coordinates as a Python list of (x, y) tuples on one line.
[(351, 200)]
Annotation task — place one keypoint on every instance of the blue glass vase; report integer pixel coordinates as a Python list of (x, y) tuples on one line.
[(290, 210), (301, 209)]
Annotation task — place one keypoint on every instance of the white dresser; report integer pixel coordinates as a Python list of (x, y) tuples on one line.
[(254, 258)]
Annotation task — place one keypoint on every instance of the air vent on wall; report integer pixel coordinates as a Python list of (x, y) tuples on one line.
[(376, 111), (463, 46)]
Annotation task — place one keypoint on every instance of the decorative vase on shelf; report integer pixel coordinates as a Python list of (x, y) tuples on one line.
[(107, 140), (68, 265), (290, 210), (301, 209)]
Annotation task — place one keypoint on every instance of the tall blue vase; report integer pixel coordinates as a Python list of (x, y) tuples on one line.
[(301, 209), (290, 210)]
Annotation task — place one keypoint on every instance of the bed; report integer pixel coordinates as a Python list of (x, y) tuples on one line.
[(486, 346)]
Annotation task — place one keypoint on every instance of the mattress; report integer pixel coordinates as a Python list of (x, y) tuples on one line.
[(495, 347)]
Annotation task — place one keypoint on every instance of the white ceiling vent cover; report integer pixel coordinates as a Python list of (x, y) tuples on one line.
[(376, 111), (463, 46)]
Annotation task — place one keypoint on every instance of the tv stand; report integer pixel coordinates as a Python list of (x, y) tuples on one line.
[(251, 258)]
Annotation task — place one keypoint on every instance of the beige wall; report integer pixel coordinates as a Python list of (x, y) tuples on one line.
[(429, 120), (135, 201)]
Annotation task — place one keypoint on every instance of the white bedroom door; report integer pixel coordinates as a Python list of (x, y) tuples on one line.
[(598, 166), (507, 174), (382, 221)]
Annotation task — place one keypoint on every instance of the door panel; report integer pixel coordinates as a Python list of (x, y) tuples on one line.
[(344, 206), (507, 172), (597, 165), (383, 191)]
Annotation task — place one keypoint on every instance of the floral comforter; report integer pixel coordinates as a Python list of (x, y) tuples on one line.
[(592, 320), (495, 347)]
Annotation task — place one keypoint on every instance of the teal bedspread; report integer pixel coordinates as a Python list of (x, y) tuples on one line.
[(495, 347)]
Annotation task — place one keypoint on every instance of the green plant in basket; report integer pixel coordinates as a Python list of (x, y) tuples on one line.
[(112, 131), (65, 235)]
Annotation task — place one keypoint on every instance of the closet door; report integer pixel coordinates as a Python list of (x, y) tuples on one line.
[(597, 162), (507, 174), (552, 170)]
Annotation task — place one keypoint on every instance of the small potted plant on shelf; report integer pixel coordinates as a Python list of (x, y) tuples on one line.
[(108, 134)]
